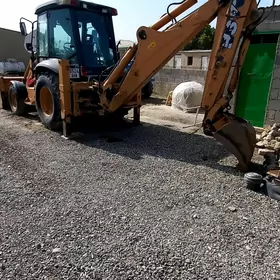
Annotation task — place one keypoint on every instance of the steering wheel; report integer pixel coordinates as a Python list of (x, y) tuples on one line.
[(68, 48)]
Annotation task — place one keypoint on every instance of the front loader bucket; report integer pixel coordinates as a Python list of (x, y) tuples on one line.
[(239, 138)]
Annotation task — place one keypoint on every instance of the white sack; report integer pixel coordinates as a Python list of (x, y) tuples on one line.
[(187, 95)]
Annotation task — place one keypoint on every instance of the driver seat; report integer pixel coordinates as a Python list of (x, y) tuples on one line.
[(88, 49)]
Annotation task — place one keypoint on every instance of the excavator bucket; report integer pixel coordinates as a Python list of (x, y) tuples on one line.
[(239, 138)]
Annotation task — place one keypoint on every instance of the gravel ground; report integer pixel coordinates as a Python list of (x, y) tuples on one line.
[(158, 204)]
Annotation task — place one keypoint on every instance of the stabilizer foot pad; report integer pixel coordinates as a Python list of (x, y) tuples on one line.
[(73, 136)]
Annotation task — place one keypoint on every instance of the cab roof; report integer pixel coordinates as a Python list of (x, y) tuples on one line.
[(75, 4)]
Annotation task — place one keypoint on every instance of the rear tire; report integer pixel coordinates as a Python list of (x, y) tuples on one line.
[(16, 101), (148, 89), (47, 100)]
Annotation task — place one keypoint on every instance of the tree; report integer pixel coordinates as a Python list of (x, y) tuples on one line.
[(203, 40)]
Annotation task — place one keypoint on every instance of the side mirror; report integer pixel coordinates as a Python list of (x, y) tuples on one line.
[(22, 27), (118, 51), (119, 42)]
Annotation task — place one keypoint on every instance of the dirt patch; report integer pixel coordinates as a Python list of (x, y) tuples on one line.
[(155, 111)]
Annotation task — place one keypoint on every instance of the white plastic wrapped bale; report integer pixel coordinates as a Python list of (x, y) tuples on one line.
[(186, 96)]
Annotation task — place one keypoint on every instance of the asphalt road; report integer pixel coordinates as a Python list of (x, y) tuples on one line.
[(147, 202)]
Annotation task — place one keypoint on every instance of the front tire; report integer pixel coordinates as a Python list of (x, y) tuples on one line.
[(47, 100)]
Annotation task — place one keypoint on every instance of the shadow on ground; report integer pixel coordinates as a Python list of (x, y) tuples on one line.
[(154, 100), (134, 142), (128, 140), (125, 139)]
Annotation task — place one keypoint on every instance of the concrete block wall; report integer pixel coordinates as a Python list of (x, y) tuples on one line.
[(168, 78), (271, 22), (273, 103)]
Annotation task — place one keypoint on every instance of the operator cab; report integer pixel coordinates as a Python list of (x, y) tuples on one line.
[(79, 31)]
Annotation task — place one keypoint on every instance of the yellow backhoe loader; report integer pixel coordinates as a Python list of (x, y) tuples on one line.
[(75, 67)]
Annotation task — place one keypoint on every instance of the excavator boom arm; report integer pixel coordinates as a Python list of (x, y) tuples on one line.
[(155, 48), (236, 20)]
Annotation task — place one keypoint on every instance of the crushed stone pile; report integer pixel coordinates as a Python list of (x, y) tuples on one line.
[(269, 140), (268, 146)]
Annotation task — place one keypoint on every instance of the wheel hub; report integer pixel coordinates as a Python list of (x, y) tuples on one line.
[(13, 100), (46, 101)]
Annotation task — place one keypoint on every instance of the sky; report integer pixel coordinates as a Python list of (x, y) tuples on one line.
[(131, 14)]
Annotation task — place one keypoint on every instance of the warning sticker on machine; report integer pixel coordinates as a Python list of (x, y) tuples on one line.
[(74, 72)]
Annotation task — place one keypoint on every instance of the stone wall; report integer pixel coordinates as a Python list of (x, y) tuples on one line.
[(168, 78), (273, 103)]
